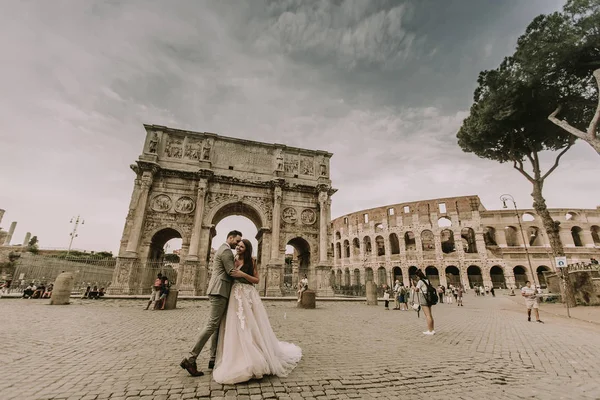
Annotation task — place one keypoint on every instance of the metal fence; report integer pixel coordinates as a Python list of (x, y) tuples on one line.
[(583, 266), (138, 277), (43, 269)]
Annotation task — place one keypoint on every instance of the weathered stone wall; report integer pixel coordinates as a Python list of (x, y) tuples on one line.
[(554, 283), (584, 287)]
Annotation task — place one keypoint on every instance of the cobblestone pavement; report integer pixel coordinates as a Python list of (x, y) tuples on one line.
[(115, 349)]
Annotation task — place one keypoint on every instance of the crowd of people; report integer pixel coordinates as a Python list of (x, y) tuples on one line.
[(93, 294), (41, 291), (422, 296)]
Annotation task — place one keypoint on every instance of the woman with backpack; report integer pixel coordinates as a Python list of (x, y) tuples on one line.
[(427, 297)]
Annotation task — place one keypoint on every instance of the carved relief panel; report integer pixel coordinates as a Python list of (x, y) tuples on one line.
[(262, 203), (174, 147), (161, 203), (157, 220), (185, 205), (192, 149), (308, 216), (291, 164), (307, 166), (289, 215)]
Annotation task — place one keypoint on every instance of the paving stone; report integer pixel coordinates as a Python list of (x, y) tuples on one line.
[(483, 350)]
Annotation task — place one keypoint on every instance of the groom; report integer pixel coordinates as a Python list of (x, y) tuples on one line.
[(218, 295)]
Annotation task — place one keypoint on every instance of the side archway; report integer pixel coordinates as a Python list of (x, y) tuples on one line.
[(453, 276), (520, 276), (498, 279), (541, 277), (433, 275), (474, 275)]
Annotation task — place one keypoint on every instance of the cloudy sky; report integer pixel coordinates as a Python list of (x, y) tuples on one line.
[(384, 85)]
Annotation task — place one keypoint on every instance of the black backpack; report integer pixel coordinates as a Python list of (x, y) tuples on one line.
[(431, 296)]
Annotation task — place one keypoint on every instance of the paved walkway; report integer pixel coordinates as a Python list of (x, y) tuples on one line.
[(115, 349), (583, 313)]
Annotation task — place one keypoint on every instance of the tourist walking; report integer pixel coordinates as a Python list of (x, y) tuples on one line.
[(396, 293), (531, 301), (218, 291), (426, 296), (406, 292), (386, 297), (459, 296), (449, 295)]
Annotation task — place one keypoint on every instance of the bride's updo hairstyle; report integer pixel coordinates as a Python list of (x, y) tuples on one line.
[(248, 266)]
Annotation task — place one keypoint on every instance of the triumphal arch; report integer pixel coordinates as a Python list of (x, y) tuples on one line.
[(186, 182)]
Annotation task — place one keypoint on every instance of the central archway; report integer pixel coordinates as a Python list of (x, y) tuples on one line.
[(239, 211)]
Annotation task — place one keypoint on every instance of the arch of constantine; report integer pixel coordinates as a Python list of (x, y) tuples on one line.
[(455, 241), (187, 182)]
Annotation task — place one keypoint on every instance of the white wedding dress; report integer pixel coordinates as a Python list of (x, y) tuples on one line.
[(248, 347)]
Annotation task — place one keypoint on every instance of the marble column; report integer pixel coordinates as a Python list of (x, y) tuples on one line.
[(197, 229), (26, 240), (501, 238), (566, 237), (480, 245), (324, 268), (193, 270), (274, 279), (443, 279), (586, 238), (323, 197), (140, 213), (10, 233), (276, 223)]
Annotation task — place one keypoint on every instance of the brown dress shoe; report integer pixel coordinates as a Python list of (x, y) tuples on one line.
[(190, 367)]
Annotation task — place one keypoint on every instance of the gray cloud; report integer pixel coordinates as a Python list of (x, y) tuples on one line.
[(383, 85)]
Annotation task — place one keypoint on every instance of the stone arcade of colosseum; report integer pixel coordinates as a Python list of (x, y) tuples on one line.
[(454, 240)]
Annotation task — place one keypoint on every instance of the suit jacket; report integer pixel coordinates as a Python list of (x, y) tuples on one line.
[(220, 281)]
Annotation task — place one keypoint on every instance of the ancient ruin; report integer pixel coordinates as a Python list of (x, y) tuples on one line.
[(455, 241), (186, 182)]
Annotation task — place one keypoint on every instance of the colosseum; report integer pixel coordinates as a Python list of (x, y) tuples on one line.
[(455, 241)]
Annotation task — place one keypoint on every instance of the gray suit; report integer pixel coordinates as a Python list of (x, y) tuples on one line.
[(220, 281), (218, 295)]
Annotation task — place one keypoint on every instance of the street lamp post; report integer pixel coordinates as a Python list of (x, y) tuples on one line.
[(507, 197), (73, 233)]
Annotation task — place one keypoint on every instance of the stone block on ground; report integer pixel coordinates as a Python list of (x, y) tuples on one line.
[(171, 303), (308, 299), (61, 292), (371, 294)]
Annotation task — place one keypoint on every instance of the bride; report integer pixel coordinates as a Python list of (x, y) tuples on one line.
[(247, 346)]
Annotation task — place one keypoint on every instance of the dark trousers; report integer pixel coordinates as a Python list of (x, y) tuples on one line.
[(218, 307)]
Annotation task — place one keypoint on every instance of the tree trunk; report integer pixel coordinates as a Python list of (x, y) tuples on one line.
[(552, 230)]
